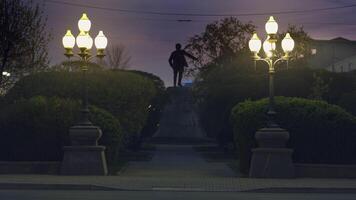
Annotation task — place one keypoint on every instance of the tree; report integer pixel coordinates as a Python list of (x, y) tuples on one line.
[(117, 57), (220, 41), (319, 88), (301, 52), (23, 38)]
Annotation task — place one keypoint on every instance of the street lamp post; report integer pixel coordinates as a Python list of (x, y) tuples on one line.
[(271, 159), (84, 43), (269, 47), (84, 157)]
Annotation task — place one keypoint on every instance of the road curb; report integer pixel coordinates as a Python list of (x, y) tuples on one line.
[(88, 187), (37, 186), (302, 190)]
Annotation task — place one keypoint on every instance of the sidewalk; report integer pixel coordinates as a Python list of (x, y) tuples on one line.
[(175, 184)]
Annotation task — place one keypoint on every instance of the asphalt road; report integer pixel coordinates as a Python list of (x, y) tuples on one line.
[(158, 195)]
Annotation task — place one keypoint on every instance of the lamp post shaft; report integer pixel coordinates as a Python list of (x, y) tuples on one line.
[(85, 107), (271, 104)]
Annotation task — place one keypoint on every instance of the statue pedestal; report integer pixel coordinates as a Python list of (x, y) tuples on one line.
[(271, 159), (84, 157)]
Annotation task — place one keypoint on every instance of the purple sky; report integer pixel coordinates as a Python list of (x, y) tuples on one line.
[(150, 38)]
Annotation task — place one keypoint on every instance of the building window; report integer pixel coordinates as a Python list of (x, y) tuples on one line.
[(313, 51)]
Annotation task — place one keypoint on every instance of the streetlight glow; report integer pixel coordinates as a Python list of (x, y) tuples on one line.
[(68, 40), (271, 26), (255, 43), (84, 23), (101, 41), (6, 74), (288, 43)]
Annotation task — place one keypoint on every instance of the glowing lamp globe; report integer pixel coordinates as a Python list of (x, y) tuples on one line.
[(6, 74), (271, 26), (84, 23), (101, 41), (268, 47), (288, 43), (89, 42), (68, 40), (255, 43), (83, 40)]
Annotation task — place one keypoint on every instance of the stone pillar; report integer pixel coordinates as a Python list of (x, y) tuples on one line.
[(272, 159), (84, 157)]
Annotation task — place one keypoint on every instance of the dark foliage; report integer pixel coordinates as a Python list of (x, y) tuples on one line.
[(36, 129), (126, 95), (319, 132), (218, 89)]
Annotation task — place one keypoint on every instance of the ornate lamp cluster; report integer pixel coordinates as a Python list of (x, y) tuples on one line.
[(269, 45), (84, 41)]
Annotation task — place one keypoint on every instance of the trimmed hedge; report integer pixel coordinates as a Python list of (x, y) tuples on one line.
[(219, 88), (348, 102), (319, 132), (37, 129), (156, 106), (124, 94)]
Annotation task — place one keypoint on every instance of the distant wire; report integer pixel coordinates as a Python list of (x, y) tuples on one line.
[(329, 23), (199, 14)]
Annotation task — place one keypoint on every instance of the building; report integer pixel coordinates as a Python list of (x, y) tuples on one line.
[(337, 55), (345, 65)]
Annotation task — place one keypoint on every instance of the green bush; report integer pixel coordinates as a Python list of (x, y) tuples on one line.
[(319, 132), (156, 107), (112, 137), (219, 88), (348, 102), (124, 94), (36, 129)]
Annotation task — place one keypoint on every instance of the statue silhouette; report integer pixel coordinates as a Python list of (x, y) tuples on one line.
[(177, 61)]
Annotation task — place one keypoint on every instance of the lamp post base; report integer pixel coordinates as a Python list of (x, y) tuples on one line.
[(84, 157), (84, 160), (271, 159)]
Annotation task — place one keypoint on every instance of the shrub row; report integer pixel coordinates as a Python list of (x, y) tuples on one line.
[(126, 95), (319, 132), (36, 129)]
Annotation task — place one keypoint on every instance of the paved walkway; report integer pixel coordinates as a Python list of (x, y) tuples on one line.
[(177, 161), (179, 120), (211, 184)]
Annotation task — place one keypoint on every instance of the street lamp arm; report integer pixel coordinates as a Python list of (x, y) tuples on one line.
[(284, 58), (81, 57), (91, 57), (266, 60), (74, 56)]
